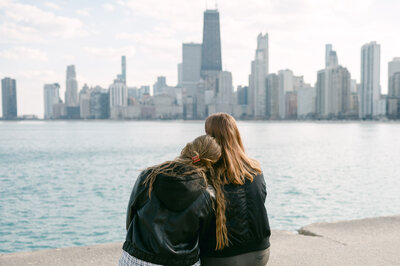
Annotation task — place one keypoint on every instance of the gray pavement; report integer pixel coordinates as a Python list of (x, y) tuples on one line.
[(371, 241), (98, 255)]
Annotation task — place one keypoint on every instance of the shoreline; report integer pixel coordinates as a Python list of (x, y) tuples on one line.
[(369, 241)]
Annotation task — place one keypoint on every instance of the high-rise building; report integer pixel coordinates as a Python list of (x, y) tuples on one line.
[(99, 103), (395, 84), (291, 105), (272, 84), (9, 98), (211, 47), (354, 105), (298, 82), (321, 101), (191, 65), (224, 90), (143, 91), (122, 76), (257, 78), (118, 94), (393, 67), (84, 102), (339, 93), (354, 86), (370, 80), (328, 49), (332, 59), (306, 102), (333, 92), (179, 75), (51, 97), (71, 92), (160, 86), (285, 85), (242, 93), (333, 89)]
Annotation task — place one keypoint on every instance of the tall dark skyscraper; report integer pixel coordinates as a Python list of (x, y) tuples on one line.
[(211, 48), (9, 98)]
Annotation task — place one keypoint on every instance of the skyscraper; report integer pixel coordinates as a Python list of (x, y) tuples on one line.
[(118, 94), (285, 85), (191, 64), (305, 102), (100, 103), (84, 102), (393, 67), (257, 78), (160, 86), (122, 76), (328, 49), (51, 97), (9, 98), (370, 80), (71, 92), (273, 92), (211, 47), (333, 89)]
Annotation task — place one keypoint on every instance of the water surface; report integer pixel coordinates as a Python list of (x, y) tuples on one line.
[(68, 183)]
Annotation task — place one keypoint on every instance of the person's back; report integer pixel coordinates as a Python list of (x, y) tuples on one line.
[(246, 221), (165, 229), (245, 215), (170, 208)]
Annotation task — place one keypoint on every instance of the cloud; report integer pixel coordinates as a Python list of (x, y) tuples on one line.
[(109, 7), (14, 33), (83, 12), (23, 53), (52, 5), (110, 52), (44, 76), (24, 18)]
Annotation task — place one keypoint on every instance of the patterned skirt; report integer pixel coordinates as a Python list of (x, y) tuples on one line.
[(128, 260)]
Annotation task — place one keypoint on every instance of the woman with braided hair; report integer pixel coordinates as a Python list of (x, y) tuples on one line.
[(171, 208)]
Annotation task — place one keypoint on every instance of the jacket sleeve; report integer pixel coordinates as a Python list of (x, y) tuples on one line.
[(207, 222), (263, 187), (137, 199)]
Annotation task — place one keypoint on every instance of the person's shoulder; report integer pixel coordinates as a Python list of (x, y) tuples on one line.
[(143, 174)]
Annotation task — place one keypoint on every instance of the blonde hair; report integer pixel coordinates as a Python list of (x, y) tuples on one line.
[(201, 154), (234, 166)]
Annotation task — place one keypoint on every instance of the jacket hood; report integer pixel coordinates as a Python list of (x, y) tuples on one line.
[(180, 191)]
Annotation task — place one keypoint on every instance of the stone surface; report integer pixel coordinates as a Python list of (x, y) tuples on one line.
[(98, 255), (371, 237), (371, 241)]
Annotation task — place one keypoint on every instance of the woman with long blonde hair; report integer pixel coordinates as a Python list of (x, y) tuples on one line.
[(171, 207), (244, 193)]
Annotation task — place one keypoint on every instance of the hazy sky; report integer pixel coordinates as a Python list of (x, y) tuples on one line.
[(38, 39)]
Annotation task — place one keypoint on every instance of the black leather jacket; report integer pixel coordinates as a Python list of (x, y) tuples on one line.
[(166, 228), (246, 220)]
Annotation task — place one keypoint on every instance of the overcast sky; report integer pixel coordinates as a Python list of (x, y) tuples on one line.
[(38, 39)]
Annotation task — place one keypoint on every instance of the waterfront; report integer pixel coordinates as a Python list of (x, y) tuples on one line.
[(68, 183)]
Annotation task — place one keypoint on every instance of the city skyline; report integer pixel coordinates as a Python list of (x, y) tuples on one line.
[(289, 49)]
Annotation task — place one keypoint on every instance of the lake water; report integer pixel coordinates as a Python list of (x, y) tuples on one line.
[(68, 183)]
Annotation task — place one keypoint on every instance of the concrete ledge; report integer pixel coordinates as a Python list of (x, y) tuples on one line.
[(371, 241), (103, 254)]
